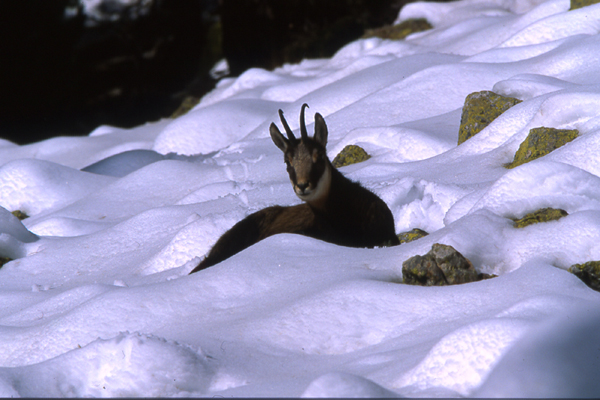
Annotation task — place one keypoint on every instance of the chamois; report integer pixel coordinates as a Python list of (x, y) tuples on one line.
[(335, 209)]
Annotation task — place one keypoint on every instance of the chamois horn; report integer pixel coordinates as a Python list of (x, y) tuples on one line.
[(289, 132), (303, 133)]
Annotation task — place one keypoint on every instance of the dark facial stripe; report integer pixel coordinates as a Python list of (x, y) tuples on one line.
[(290, 169), (316, 172)]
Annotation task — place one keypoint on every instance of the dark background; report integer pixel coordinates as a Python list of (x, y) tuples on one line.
[(65, 73)]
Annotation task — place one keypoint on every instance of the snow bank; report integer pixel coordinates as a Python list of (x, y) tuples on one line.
[(559, 358), (128, 365)]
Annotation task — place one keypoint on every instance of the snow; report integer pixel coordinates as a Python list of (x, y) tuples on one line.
[(98, 300), (102, 10)]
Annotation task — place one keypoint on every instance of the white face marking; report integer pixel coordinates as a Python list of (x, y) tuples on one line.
[(320, 191)]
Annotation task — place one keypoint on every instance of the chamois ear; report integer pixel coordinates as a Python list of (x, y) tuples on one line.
[(320, 130), (278, 138)]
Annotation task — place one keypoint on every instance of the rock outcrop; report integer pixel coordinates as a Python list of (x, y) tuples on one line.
[(589, 273), (480, 109), (350, 154), (399, 31), (411, 235), (443, 265), (541, 141), (541, 215)]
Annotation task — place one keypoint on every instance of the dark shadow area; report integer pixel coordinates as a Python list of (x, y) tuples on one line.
[(64, 72), (268, 33), (61, 76)]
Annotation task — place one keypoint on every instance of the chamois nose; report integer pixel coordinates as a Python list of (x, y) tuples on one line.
[(302, 186)]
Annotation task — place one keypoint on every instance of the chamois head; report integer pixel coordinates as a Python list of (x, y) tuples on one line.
[(306, 158)]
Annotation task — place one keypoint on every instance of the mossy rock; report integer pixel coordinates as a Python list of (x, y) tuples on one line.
[(4, 260), (480, 109), (541, 215), (350, 154), (19, 214), (442, 265), (541, 141), (186, 105), (409, 236), (588, 272), (422, 271), (399, 31), (575, 4)]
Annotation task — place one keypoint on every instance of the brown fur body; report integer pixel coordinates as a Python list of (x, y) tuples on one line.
[(336, 209)]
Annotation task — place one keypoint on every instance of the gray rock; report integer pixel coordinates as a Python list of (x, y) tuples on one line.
[(443, 265)]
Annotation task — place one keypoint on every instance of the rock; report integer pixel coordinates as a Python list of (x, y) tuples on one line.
[(443, 265), (422, 271), (350, 154), (480, 109), (541, 141), (541, 215), (187, 104), (20, 214), (4, 260), (575, 4), (409, 236), (399, 31), (589, 273), (456, 268)]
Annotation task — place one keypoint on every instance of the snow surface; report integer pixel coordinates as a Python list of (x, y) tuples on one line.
[(111, 10), (98, 301)]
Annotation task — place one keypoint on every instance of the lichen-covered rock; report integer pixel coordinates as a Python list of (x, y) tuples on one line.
[(540, 142), (399, 31), (541, 215), (422, 271), (186, 105), (480, 109), (456, 268), (575, 4), (409, 236), (4, 260), (443, 265), (20, 214), (350, 154), (588, 272)]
